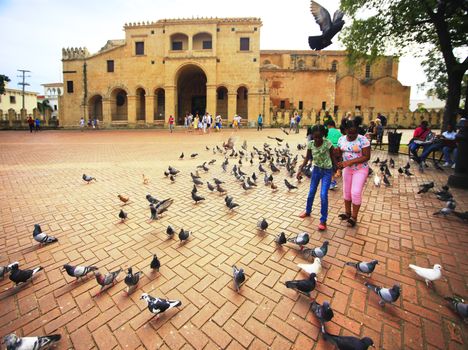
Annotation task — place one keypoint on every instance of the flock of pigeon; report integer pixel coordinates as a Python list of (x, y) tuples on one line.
[(270, 161)]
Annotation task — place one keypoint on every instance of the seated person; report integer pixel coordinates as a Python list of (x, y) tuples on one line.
[(371, 133), (422, 137), (444, 142)]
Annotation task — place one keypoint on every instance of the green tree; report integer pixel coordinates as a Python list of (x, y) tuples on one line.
[(435, 28), (44, 106), (3, 80)]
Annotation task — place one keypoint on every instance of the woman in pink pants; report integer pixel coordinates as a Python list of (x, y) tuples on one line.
[(355, 151)]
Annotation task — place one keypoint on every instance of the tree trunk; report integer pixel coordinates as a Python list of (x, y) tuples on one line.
[(452, 103)]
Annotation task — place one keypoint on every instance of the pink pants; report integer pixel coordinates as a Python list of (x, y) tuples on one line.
[(353, 184)]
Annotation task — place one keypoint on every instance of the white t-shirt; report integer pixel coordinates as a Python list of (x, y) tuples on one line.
[(449, 135)]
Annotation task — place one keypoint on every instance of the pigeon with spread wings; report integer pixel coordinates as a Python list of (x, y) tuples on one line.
[(328, 26)]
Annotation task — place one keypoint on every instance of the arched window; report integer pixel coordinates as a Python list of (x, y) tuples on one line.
[(368, 72), (266, 62), (179, 42), (334, 66), (202, 41)]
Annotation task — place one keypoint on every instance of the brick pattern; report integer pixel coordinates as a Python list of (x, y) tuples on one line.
[(40, 182)]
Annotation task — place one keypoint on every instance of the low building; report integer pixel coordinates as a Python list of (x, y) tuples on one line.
[(52, 93), (12, 103)]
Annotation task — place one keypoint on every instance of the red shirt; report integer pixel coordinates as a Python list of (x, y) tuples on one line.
[(421, 134), (171, 120)]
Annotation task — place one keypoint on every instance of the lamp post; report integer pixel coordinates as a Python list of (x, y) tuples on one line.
[(460, 178)]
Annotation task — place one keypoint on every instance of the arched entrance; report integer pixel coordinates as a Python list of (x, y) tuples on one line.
[(119, 105), (160, 99), (191, 92), (222, 101), (140, 104), (95, 107), (242, 102)]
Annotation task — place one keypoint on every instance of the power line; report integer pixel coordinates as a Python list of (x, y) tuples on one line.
[(23, 83)]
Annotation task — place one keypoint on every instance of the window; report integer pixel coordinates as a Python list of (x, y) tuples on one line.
[(177, 45), (233, 29), (244, 44), (255, 60), (12, 99), (207, 45), (367, 71), (334, 66), (324, 105), (220, 94), (139, 48), (357, 107), (110, 66), (335, 109), (282, 104), (70, 86), (152, 32), (120, 99), (301, 105), (301, 64)]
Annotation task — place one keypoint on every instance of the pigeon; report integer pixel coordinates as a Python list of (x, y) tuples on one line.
[(238, 276), (22, 276), (347, 342), (425, 187), (262, 224), (387, 295), (123, 199), (254, 177), (158, 306), (274, 168), (217, 181), (122, 215), (316, 267), (386, 181), (407, 166), (211, 162), (154, 212), (172, 178), (181, 155), (392, 163), (444, 211), (408, 173), (170, 231), (197, 198), (377, 180), (401, 171), (131, 280), (151, 199), (107, 280), (364, 267), (445, 197), (184, 235), (155, 264), (429, 275), (210, 186), (318, 252), (166, 173), (387, 172), (261, 169), (289, 186), (458, 305), (195, 176), (463, 216), (445, 190), (193, 155), (13, 342), (197, 182), (224, 167), (273, 187), (283, 130), (41, 237), (194, 189), (173, 171), (161, 207), (376, 161), (281, 239), (207, 148), (303, 286), (228, 199), (220, 189), (301, 239), (246, 187), (88, 179), (145, 180), (78, 271), (250, 183), (231, 205), (324, 312), (6, 269)]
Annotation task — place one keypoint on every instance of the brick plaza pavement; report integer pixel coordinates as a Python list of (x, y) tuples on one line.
[(40, 182)]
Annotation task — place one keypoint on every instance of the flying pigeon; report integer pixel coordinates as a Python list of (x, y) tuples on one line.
[(13, 342), (122, 215), (88, 179), (262, 224), (238, 276), (22, 276), (303, 286), (458, 305), (184, 235), (131, 280), (363, 267), (347, 342), (281, 239), (316, 267), (158, 306), (78, 271), (41, 237), (154, 213), (324, 312), (318, 252), (6, 269), (429, 275), (197, 198), (107, 280), (387, 295), (155, 264), (301, 239), (289, 186)]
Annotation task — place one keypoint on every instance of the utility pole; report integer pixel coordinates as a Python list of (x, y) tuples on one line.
[(23, 83)]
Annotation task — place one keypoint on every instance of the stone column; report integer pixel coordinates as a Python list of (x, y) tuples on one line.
[(232, 105), (211, 99), (131, 109), (253, 109), (106, 112), (11, 117), (149, 109), (170, 103)]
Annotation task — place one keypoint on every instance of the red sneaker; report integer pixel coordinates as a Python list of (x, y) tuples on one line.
[(322, 226), (304, 214)]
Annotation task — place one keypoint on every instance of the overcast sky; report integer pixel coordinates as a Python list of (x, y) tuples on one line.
[(35, 31)]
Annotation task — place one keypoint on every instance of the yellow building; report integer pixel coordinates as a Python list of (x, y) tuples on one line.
[(179, 66), (12, 101)]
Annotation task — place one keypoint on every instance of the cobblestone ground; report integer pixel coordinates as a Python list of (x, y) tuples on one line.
[(40, 182)]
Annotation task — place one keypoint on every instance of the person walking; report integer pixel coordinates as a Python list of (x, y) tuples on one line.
[(298, 122), (260, 122), (31, 124), (320, 150), (82, 123), (292, 122), (37, 123), (355, 152), (333, 136), (218, 122), (171, 123), (196, 120), (190, 122)]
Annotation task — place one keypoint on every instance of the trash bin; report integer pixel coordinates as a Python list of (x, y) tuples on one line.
[(394, 139)]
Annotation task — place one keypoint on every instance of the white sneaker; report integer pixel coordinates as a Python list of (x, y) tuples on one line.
[(446, 164), (453, 166)]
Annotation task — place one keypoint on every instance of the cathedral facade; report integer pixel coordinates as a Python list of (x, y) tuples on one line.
[(215, 65)]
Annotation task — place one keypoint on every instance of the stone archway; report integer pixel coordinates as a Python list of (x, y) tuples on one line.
[(95, 107), (140, 104), (242, 102), (191, 92), (222, 101), (119, 105), (160, 103)]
